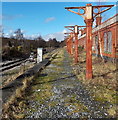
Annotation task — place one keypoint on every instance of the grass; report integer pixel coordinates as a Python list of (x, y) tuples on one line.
[(13, 74), (45, 91), (14, 108), (78, 106), (103, 85), (41, 89)]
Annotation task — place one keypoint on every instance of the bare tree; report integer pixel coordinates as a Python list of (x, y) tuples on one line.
[(18, 34), (52, 42), (40, 42)]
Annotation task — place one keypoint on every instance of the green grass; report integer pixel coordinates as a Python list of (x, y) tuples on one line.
[(103, 85)]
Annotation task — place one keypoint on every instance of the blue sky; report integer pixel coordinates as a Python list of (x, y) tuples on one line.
[(42, 18)]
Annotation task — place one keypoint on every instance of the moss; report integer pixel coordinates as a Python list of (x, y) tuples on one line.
[(112, 111), (44, 93), (103, 94), (52, 103), (18, 116), (22, 104), (77, 105)]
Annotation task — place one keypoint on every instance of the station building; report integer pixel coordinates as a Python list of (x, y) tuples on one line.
[(104, 38)]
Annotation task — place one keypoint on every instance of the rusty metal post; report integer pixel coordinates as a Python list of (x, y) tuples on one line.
[(66, 45), (76, 48), (71, 44), (89, 49), (89, 23), (74, 34), (76, 43), (88, 16)]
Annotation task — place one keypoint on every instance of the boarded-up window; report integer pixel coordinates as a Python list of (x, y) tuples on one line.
[(105, 42), (84, 42), (93, 43), (108, 42), (96, 44)]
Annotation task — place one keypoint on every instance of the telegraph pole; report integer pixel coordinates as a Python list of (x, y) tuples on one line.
[(89, 14)]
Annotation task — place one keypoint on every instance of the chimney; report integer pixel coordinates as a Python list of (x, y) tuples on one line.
[(98, 20)]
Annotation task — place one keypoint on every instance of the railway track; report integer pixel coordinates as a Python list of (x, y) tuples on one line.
[(11, 64), (11, 86)]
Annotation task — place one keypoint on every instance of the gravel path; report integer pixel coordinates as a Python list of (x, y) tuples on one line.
[(57, 93)]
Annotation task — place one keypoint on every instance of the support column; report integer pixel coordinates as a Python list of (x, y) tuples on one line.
[(69, 45), (89, 72), (76, 47)]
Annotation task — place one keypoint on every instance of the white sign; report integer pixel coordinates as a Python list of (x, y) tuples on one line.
[(39, 55)]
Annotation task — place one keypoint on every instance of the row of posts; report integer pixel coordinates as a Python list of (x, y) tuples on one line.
[(89, 14)]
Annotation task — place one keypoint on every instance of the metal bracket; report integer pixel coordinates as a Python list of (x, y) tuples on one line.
[(85, 8), (73, 27), (101, 6)]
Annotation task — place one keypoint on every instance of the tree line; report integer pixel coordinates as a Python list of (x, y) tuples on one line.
[(18, 46)]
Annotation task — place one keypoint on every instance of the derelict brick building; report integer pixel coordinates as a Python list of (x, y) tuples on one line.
[(104, 37)]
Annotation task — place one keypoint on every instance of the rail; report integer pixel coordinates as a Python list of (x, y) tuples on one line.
[(11, 64)]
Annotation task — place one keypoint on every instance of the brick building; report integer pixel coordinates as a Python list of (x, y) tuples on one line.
[(104, 38)]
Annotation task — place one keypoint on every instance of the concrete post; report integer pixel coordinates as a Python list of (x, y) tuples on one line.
[(39, 55)]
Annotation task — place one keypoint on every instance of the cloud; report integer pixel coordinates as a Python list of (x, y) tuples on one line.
[(10, 17), (31, 37), (49, 19), (58, 35)]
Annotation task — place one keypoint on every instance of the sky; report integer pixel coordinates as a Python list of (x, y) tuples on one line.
[(43, 18)]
